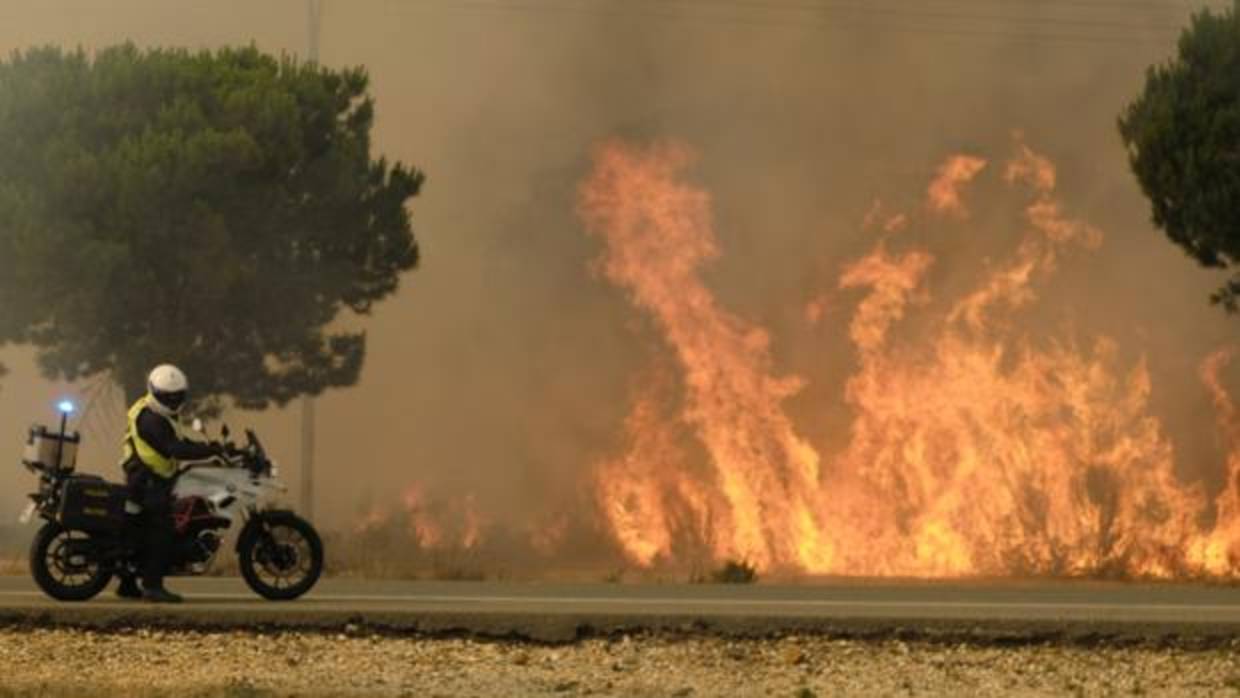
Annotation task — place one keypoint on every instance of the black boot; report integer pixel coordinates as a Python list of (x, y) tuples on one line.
[(129, 588), (160, 595)]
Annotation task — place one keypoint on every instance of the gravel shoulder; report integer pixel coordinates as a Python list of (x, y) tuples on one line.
[(154, 664)]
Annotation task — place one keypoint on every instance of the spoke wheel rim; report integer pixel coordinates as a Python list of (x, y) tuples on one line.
[(64, 567), (285, 559)]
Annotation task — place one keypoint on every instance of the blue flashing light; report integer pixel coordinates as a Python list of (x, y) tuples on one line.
[(65, 407)]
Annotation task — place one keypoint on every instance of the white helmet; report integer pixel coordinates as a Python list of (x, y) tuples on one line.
[(168, 387)]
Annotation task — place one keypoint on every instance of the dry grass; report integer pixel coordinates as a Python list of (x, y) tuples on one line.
[(393, 552), (370, 559), (13, 565)]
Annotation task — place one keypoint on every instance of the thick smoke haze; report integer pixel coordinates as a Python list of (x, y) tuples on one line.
[(503, 367)]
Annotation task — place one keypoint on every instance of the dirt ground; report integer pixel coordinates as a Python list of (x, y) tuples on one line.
[(150, 664)]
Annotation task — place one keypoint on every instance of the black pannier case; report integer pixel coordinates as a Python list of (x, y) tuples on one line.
[(92, 504)]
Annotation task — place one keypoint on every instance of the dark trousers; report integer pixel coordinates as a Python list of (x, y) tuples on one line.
[(154, 494)]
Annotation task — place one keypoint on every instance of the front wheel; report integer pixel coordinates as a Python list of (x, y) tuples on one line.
[(65, 564), (281, 555)]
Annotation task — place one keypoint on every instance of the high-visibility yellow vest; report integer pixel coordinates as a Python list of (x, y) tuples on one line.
[(134, 445)]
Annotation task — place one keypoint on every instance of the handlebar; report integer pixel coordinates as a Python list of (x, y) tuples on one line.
[(251, 457)]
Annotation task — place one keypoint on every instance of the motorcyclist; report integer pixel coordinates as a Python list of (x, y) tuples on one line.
[(154, 446)]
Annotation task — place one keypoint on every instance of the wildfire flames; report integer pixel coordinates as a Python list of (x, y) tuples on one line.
[(973, 448), (457, 524)]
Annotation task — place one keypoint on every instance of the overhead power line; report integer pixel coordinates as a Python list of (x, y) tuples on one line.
[(830, 18), (1163, 8), (809, 7)]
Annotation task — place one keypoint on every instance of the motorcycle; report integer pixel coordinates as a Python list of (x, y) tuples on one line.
[(84, 541)]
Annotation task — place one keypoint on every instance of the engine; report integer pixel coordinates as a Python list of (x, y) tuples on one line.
[(199, 533), (206, 545)]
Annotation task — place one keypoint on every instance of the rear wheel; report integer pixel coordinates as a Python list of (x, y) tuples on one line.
[(65, 564), (281, 556)]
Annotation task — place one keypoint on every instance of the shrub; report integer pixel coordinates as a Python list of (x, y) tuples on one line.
[(732, 572)]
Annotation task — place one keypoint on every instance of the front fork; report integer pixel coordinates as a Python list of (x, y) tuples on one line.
[(256, 526)]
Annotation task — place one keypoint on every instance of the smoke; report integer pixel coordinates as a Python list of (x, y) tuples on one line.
[(503, 370)]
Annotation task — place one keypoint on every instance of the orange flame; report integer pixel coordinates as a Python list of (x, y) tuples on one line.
[(457, 523), (658, 232), (1219, 552), (432, 523), (944, 193), (974, 449)]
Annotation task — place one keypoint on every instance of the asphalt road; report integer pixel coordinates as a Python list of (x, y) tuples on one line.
[(562, 612)]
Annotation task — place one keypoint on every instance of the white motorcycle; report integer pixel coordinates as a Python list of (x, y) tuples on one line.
[(84, 542)]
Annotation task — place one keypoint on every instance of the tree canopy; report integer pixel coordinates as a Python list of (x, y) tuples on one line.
[(218, 210), (1183, 140)]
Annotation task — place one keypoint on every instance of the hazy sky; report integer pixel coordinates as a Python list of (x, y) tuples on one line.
[(503, 365)]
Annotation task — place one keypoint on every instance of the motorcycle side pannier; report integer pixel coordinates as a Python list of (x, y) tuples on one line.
[(92, 504)]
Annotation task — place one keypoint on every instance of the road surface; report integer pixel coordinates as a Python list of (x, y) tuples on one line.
[(562, 612)]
